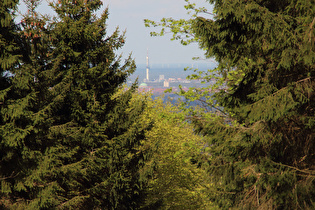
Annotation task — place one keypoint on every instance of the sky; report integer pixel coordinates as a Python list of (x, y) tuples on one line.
[(129, 15)]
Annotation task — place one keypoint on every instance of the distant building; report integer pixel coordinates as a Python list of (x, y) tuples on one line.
[(143, 85), (166, 83), (147, 69)]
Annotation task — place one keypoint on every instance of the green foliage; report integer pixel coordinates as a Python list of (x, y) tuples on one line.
[(260, 127), (8, 45), (177, 183), (69, 140)]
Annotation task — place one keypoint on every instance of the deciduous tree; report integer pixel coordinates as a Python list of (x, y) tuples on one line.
[(177, 182)]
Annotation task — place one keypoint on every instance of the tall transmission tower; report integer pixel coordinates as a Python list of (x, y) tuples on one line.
[(147, 69)]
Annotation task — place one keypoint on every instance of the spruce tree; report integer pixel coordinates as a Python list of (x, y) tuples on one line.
[(68, 139), (261, 138), (8, 46), (12, 92), (266, 50)]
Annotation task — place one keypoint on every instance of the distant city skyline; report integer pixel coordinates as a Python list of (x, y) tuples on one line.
[(174, 70)]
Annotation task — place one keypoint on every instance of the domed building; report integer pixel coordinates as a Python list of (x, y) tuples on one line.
[(143, 85)]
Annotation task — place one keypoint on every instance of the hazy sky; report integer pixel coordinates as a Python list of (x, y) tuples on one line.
[(129, 15)]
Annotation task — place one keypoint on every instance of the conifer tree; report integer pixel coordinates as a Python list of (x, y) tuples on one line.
[(8, 47), (261, 139), (68, 140)]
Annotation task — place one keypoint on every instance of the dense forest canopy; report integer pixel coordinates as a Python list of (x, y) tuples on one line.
[(66, 142), (261, 136), (74, 137)]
